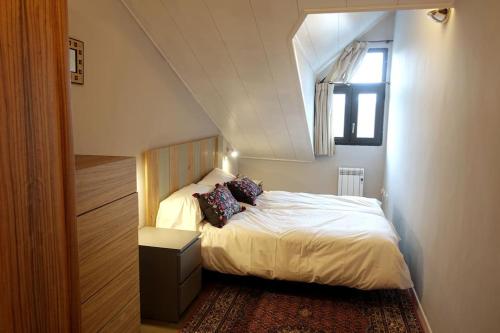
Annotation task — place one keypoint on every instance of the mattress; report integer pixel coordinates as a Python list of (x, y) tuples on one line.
[(325, 239)]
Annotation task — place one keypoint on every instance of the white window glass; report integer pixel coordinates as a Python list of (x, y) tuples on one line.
[(367, 106), (338, 115), (371, 70)]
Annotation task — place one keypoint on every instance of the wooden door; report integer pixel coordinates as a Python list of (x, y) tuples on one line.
[(38, 266)]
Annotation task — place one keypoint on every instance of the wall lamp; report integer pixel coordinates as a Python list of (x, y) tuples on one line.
[(233, 153), (440, 15)]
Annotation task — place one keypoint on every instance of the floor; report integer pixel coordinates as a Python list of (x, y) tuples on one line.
[(158, 327), (161, 327)]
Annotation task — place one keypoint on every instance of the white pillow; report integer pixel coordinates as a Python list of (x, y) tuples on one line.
[(216, 176), (181, 210)]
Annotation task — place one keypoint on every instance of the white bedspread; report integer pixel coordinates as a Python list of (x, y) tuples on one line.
[(326, 239)]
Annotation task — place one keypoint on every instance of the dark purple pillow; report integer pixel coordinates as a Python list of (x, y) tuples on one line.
[(244, 190), (219, 205)]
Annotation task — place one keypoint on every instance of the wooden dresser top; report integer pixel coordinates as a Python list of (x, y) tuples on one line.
[(89, 161)]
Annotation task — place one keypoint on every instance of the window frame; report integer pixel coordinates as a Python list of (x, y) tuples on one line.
[(345, 89), (352, 91)]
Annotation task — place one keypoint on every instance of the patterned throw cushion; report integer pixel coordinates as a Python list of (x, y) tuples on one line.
[(219, 205), (244, 190)]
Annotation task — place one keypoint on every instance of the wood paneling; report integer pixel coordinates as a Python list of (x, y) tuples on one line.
[(234, 20), (275, 35), (170, 168), (102, 179), (38, 258), (110, 301), (186, 65), (224, 89), (127, 321), (317, 5), (103, 226), (97, 271), (152, 186), (107, 239), (108, 242), (210, 50), (237, 59), (369, 3)]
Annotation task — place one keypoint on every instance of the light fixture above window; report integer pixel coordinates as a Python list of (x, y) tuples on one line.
[(440, 15)]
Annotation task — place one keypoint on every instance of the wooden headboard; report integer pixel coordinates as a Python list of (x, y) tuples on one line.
[(168, 169)]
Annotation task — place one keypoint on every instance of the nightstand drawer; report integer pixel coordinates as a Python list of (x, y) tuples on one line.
[(189, 289), (189, 260)]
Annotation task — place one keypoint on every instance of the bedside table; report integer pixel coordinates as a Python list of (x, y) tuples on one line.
[(170, 272)]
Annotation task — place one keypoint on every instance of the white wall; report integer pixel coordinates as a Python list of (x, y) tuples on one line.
[(324, 36), (383, 30), (307, 78), (443, 163), (321, 175), (131, 100)]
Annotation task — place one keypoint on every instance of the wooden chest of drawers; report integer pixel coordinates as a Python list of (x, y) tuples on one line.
[(107, 220)]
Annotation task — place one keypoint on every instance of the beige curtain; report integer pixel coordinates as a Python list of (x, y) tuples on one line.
[(345, 65), (341, 72), (324, 142)]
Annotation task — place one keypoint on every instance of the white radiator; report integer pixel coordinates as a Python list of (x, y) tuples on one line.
[(351, 181)]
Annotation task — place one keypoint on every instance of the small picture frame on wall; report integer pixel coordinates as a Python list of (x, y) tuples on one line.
[(76, 60)]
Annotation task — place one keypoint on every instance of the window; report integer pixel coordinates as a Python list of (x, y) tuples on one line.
[(358, 107), (373, 68)]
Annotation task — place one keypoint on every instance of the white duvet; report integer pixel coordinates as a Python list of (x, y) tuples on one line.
[(342, 241)]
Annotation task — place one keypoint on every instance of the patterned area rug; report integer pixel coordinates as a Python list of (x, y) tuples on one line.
[(242, 304)]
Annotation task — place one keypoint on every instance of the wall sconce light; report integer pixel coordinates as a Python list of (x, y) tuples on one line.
[(440, 15), (233, 153)]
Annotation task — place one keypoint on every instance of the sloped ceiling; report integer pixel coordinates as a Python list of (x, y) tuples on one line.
[(237, 59), (234, 56), (323, 36)]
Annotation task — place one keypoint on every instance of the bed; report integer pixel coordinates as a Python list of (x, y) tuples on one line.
[(304, 237), (326, 239)]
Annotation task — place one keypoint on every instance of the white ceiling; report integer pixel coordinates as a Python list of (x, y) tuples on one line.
[(323, 36), (237, 59)]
